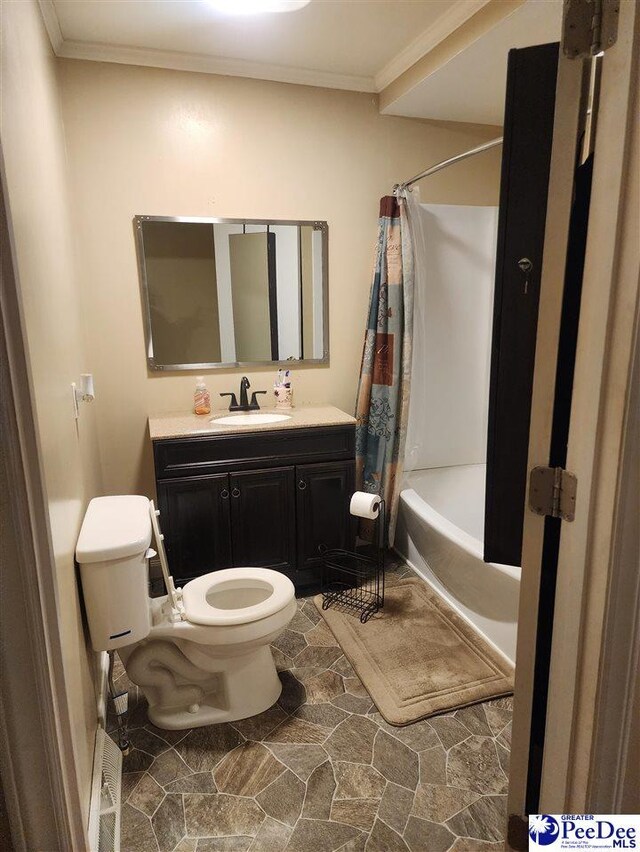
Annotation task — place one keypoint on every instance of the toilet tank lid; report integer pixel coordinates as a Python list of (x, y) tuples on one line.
[(114, 528)]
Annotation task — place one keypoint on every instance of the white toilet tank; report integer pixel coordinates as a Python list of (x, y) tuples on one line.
[(111, 551)]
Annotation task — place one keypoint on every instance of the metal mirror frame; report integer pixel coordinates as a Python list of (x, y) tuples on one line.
[(218, 365)]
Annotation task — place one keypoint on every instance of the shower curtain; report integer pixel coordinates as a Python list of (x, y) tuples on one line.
[(383, 392)]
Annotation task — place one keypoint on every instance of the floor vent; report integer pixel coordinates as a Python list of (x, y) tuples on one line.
[(104, 822)]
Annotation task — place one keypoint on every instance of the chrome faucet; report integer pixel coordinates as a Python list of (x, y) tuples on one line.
[(244, 405)]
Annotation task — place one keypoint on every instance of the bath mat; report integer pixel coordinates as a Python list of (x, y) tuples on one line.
[(417, 657)]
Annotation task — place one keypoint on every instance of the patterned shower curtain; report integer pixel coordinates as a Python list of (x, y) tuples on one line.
[(383, 393)]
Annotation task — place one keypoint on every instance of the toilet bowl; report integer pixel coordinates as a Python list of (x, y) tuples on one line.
[(200, 654)]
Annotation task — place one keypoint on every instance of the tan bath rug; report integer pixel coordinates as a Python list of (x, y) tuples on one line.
[(417, 657)]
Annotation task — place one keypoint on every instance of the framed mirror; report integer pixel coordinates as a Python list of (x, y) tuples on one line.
[(233, 292)]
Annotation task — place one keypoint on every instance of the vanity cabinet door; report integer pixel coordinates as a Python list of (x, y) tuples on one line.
[(323, 493), (195, 520), (263, 518)]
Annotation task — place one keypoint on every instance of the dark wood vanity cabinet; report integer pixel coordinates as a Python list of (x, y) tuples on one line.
[(262, 513), (323, 494), (268, 499), (195, 518)]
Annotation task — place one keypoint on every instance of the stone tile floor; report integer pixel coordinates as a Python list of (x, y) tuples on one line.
[(320, 771)]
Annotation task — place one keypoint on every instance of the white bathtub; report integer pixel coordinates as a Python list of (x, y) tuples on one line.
[(440, 534)]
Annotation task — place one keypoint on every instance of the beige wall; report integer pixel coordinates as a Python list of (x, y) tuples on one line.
[(33, 147), (150, 141)]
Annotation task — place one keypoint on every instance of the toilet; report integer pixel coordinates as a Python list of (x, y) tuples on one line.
[(200, 654)]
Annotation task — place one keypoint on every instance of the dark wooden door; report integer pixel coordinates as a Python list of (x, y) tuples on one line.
[(528, 131), (323, 492), (195, 521), (263, 520)]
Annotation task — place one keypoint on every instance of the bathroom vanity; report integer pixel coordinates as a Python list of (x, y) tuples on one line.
[(268, 495)]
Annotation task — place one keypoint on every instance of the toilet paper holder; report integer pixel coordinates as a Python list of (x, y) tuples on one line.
[(354, 580)]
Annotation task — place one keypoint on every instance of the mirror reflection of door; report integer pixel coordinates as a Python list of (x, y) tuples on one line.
[(311, 314), (306, 290), (183, 294), (288, 291), (254, 295)]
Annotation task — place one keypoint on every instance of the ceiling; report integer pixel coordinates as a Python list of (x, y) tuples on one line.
[(359, 45), (471, 85), (347, 44)]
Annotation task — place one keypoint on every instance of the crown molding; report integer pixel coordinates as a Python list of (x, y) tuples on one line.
[(52, 24), (447, 23), (204, 64)]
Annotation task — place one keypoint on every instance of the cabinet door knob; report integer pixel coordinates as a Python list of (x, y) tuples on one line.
[(235, 492), (224, 494), (302, 485)]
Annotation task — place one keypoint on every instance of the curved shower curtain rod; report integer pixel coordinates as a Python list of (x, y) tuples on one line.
[(445, 163)]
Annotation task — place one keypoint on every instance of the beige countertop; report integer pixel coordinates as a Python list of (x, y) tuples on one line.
[(184, 424)]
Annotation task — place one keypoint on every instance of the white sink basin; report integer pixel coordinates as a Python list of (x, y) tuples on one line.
[(249, 419)]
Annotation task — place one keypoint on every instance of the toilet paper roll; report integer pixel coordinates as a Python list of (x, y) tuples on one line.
[(364, 505)]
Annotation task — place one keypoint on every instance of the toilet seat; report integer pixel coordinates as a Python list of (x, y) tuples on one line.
[(227, 597), (236, 596)]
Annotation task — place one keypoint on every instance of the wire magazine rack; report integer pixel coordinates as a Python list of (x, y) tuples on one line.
[(355, 581)]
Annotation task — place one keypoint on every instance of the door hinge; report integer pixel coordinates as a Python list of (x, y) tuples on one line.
[(552, 492), (589, 26)]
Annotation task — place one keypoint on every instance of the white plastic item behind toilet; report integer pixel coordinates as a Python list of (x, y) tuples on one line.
[(175, 595)]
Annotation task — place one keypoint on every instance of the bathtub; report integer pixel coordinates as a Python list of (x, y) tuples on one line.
[(440, 534)]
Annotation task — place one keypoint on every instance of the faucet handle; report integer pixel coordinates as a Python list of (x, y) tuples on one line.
[(234, 402), (254, 401)]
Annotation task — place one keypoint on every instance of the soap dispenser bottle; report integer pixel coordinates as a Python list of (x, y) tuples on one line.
[(201, 398)]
